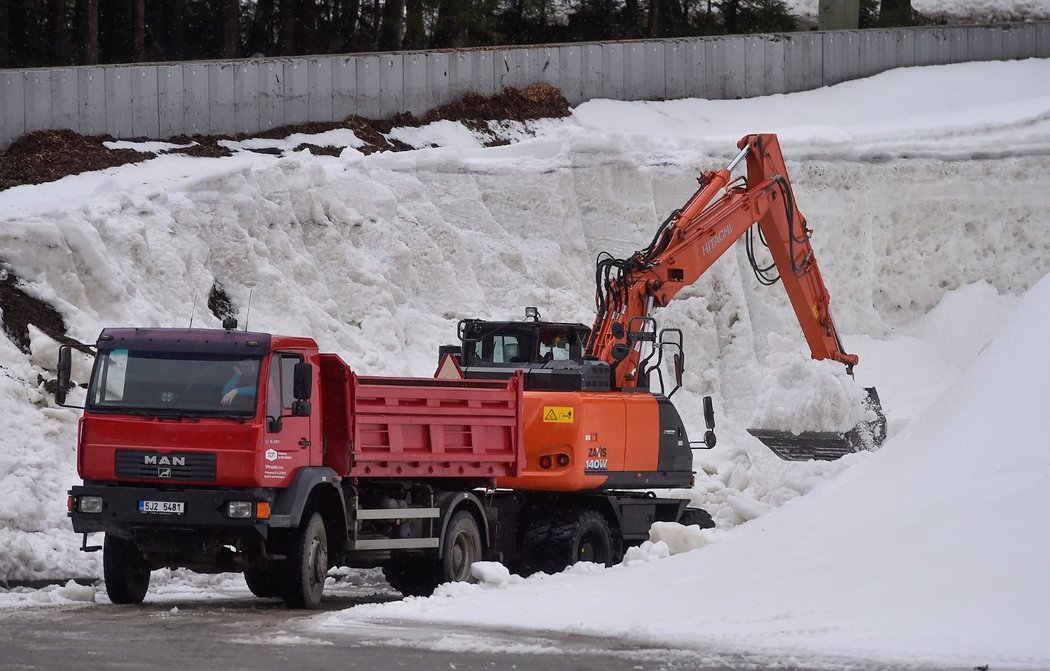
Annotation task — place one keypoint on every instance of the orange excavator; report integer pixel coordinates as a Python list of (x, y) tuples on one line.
[(624, 342)]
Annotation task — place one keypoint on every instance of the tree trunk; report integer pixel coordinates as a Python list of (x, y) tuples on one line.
[(391, 24), (59, 31), (654, 18), (88, 30), (231, 28), (288, 27), (415, 28), (308, 26), (5, 38), (896, 13), (138, 22)]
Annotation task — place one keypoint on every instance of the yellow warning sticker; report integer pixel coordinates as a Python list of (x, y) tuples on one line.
[(558, 414)]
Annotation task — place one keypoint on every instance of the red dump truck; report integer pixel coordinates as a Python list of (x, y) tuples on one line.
[(228, 450)]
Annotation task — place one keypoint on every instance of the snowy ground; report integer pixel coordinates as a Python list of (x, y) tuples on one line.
[(975, 11), (926, 190)]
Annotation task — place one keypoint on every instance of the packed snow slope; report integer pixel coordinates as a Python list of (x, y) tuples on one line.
[(925, 189), (929, 551)]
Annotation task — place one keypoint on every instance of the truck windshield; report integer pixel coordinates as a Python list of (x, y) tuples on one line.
[(174, 383)]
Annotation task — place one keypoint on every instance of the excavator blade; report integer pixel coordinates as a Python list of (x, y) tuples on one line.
[(828, 445)]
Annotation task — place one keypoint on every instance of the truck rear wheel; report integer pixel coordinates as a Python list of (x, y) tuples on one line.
[(307, 565), (460, 547), (566, 537), (125, 570)]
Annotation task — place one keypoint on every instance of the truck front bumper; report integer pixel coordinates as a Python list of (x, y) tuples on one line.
[(124, 510)]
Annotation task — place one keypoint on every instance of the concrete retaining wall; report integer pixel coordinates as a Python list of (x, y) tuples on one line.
[(225, 97)]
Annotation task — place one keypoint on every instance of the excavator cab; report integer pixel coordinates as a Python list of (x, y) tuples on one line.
[(503, 346)]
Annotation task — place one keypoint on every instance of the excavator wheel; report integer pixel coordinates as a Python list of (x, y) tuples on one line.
[(565, 537), (828, 445)]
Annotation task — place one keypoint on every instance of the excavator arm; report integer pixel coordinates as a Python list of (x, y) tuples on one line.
[(694, 237)]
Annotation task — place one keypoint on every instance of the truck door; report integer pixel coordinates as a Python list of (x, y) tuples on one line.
[(288, 438)]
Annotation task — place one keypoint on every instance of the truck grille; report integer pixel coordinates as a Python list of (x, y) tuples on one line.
[(144, 465)]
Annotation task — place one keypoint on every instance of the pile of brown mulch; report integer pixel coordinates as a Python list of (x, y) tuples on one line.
[(538, 101), (44, 156), (47, 155)]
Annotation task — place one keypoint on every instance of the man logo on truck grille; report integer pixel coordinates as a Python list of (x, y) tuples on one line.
[(163, 460), (163, 472)]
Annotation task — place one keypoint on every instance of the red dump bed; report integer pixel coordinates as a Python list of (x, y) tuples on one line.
[(420, 427)]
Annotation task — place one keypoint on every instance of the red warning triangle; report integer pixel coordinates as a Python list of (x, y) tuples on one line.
[(449, 368)]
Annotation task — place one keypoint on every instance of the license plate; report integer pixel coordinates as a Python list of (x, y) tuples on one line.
[(162, 507)]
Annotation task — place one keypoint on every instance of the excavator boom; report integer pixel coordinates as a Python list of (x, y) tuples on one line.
[(690, 241)]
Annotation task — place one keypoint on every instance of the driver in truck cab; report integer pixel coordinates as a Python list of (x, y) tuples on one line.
[(242, 371)]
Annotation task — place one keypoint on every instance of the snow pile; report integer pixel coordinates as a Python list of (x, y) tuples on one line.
[(976, 11), (876, 563)]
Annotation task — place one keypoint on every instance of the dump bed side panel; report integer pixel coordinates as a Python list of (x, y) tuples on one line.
[(422, 427)]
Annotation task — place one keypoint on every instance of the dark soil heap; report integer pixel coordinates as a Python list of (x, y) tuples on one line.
[(45, 156)]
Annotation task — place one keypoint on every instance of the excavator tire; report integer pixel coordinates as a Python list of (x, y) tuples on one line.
[(566, 537)]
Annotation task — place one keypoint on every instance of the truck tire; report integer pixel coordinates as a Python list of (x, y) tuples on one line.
[(412, 576), (566, 537), (307, 564), (420, 576), (460, 547), (125, 570), (266, 580)]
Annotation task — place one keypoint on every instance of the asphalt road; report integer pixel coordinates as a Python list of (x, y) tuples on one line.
[(195, 633)]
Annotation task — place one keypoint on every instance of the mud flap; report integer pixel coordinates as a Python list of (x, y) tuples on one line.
[(828, 445)]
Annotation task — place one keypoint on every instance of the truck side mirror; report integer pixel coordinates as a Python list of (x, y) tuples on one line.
[(65, 365), (302, 381), (709, 418)]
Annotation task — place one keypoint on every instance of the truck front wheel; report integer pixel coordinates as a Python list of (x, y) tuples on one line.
[(307, 565), (125, 570)]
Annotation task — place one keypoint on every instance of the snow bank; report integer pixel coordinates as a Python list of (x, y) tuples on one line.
[(876, 564), (378, 257)]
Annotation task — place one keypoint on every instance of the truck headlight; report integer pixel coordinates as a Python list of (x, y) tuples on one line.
[(89, 504), (239, 510)]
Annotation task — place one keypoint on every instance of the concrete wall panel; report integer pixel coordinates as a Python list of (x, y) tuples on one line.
[(958, 45), (613, 72), (933, 46), (64, 98), (570, 72), (803, 62), (271, 94), (549, 66), (592, 71), (1020, 41), (344, 87), (91, 90), (145, 103), (296, 91), (776, 64), (391, 85), (715, 69), (319, 96), (415, 82), (1042, 41), (195, 87), (246, 96), (736, 67), (222, 97), (655, 55), (368, 91), (438, 82), (695, 68), (984, 43), (172, 109), (634, 69), (12, 107), (36, 92), (674, 70), (118, 88)]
